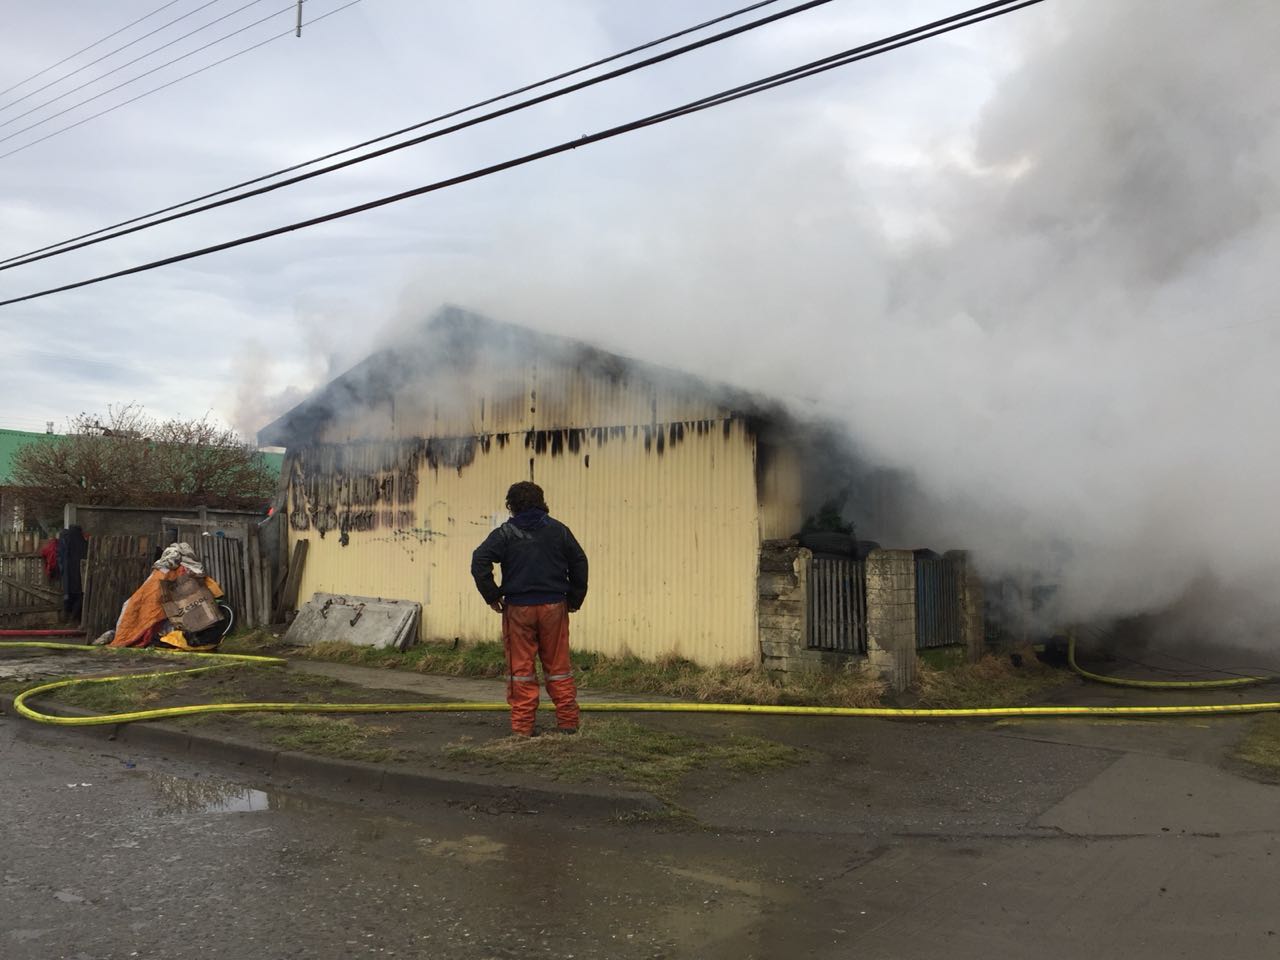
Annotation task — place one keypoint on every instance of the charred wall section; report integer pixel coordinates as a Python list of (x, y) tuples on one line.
[(373, 485)]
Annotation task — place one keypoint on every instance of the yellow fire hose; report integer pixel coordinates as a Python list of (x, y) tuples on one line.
[(231, 659)]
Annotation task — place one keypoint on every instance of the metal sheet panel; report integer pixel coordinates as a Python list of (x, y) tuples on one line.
[(669, 521), (781, 491), (939, 608), (540, 395)]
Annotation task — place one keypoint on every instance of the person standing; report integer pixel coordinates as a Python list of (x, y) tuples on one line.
[(73, 547), (544, 579)]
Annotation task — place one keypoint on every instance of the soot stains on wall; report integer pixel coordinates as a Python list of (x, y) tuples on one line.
[(373, 485), (367, 486)]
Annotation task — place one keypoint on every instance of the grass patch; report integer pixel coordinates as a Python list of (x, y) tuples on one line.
[(15, 687), (669, 676), (339, 737), (120, 696), (991, 682), (485, 660), (1260, 747), (943, 658), (622, 751), (743, 682)]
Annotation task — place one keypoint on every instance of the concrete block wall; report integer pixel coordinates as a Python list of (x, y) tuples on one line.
[(782, 612), (891, 617)]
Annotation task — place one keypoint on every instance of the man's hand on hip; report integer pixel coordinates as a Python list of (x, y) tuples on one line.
[(496, 606)]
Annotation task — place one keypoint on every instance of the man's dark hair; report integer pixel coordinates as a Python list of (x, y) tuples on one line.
[(525, 496)]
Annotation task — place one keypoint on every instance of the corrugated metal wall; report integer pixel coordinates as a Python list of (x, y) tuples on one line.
[(545, 394), (781, 491), (667, 513)]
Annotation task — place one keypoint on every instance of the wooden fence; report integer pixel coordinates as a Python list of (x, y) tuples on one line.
[(26, 592), (116, 567), (237, 566)]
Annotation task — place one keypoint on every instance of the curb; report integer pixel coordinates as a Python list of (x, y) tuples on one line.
[(579, 799)]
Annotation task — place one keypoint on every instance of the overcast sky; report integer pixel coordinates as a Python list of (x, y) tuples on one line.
[(1033, 261), (229, 333)]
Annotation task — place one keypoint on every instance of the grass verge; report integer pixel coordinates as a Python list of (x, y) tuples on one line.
[(120, 696), (621, 751), (339, 737), (1260, 748), (991, 682), (668, 676)]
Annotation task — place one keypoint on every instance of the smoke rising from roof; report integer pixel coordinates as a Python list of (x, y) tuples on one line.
[(1062, 320)]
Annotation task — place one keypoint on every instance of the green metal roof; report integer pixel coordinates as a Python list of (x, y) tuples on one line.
[(10, 442), (274, 461)]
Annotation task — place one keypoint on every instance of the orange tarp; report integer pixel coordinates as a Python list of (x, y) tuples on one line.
[(144, 611)]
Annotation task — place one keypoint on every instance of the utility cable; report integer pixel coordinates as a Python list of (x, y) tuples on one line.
[(852, 55), (130, 63), (54, 66), (112, 53), (34, 255), (164, 86), (132, 80)]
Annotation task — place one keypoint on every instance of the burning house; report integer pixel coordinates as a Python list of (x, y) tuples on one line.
[(397, 469)]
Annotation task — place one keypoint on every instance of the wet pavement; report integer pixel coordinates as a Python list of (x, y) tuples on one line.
[(1046, 839)]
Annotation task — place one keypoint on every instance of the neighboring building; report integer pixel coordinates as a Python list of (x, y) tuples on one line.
[(13, 515), (398, 469)]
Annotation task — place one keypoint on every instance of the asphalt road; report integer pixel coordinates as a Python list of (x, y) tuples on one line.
[(1141, 852)]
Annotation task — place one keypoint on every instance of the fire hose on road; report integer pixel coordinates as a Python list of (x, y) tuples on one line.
[(229, 660)]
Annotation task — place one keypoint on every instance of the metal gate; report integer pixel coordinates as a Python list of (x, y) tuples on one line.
[(938, 603), (837, 605)]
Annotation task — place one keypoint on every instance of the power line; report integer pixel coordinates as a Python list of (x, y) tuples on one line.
[(563, 91), (105, 56), (31, 255), (147, 73), (54, 66), (130, 63), (163, 86), (927, 31)]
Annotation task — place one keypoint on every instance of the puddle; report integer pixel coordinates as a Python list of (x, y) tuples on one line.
[(188, 795), (210, 795), (474, 849)]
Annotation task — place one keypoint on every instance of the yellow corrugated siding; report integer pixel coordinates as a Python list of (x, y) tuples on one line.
[(672, 539), (781, 493)]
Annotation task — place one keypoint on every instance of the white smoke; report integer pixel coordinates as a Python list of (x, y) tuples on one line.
[(1061, 318)]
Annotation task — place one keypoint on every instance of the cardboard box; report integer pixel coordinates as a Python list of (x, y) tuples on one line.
[(189, 605)]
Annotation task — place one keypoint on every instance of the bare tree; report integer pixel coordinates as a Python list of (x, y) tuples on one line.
[(130, 459)]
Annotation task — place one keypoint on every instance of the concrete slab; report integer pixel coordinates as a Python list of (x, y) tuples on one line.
[(435, 687), (1142, 794), (362, 621), (431, 687)]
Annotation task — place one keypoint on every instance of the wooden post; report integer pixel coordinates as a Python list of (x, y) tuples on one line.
[(293, 583)]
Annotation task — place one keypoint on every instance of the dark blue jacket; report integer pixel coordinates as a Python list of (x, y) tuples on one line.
[(541, 563)]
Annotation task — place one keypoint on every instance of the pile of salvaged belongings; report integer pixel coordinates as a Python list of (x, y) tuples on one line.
[(176, 606)]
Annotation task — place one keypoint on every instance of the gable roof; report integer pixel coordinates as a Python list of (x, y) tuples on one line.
[(455, 339)]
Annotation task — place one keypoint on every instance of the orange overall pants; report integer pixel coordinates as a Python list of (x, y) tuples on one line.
[(538, 632)]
